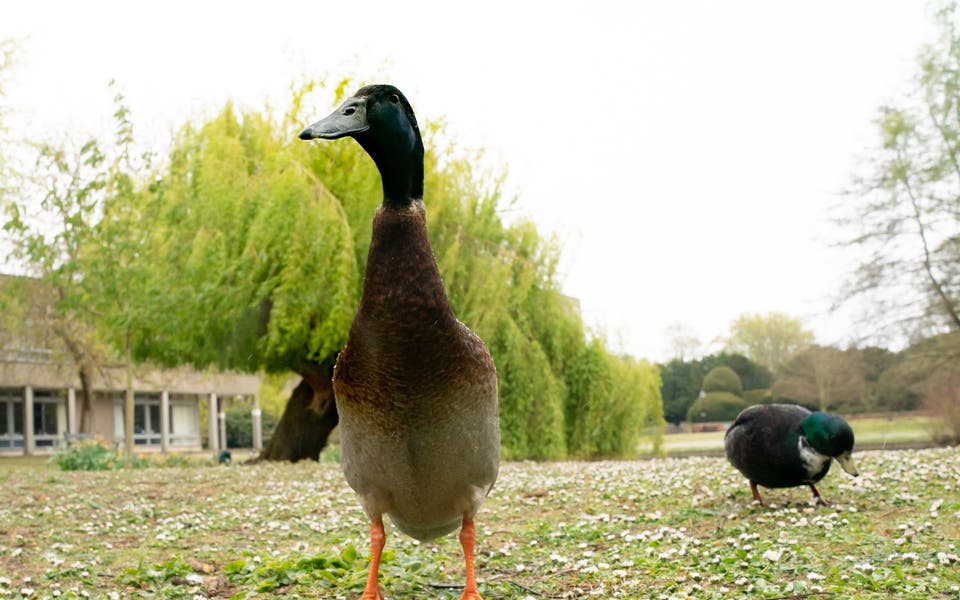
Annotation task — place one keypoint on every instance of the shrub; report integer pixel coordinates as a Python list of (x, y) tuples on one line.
[(531, 398), (94, 455), (723, 379), (611, 399), (716, 406), (752, 397), (240, 426)]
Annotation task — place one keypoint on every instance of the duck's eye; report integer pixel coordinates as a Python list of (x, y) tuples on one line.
[(395, 98), (349, 110)]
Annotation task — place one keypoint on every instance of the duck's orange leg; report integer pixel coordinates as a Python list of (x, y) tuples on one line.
[(756, 492), (378, 539), (468, 536), (816, 494)]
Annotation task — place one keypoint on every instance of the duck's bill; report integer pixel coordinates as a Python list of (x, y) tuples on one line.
[(349, 119), (846, 461)]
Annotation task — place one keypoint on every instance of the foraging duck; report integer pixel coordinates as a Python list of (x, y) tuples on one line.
[(415, 388), (785, 445)]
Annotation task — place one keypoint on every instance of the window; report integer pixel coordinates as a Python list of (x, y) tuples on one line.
[(184, 420), (146, 418), (49, 417), (11, 418)]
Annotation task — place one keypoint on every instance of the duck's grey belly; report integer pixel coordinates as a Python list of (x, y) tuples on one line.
[(424, 466)]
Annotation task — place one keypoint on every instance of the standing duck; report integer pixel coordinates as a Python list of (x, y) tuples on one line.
[(416, 390), (785, 445)]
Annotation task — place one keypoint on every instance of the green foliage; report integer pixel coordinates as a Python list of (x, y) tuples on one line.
[(752, 397), (681, 383), (89, 456), (239, 423), (256, 265), (722, 379), (274, 392), (753, 376), (96, 455), (609, 402), (716, 406), (531, 415), (683, 380)]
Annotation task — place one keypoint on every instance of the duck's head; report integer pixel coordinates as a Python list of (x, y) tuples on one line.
[(381, 119), (831, 436)]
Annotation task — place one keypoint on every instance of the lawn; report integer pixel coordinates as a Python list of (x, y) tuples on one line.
[(665, 528)]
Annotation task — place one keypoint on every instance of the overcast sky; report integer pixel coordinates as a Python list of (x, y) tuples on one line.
[(687, 153)]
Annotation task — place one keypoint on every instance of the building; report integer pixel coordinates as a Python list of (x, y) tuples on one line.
[(40, 393)]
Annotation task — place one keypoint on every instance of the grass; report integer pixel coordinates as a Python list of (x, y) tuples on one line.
[(666, 528)]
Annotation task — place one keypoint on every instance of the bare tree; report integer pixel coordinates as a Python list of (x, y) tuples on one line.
[(824, 377), (904, 209)]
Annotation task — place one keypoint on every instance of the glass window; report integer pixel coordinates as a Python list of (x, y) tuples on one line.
[(139, 418), (4, 420), (18, 417), (45, 418), (154, 418)]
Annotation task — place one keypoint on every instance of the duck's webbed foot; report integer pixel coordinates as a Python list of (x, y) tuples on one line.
[(816, 494), (756, 493)]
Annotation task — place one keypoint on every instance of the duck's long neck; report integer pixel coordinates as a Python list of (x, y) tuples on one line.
[(400, 162), (402, 283)]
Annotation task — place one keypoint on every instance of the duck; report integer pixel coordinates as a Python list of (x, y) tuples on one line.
[(416, 389), (787, 445)]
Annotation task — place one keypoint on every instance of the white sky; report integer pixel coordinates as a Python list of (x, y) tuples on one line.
[(687, 153)]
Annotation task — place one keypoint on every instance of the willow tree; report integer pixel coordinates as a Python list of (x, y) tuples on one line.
[(253, 266), (259, 240)]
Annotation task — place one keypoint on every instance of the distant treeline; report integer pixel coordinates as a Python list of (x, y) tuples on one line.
[(845, 381)]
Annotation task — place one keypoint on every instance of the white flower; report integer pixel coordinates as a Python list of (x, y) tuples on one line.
[(773, 555), (815, 576)]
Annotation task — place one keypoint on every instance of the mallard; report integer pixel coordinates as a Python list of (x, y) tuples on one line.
[(416, 390), (785, 445)]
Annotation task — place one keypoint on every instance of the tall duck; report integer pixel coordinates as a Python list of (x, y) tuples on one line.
[(415, 388), (786, 445)]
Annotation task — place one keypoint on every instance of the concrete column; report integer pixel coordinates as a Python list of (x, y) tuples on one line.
[(213, 429), (28, 443), (222, 419), (72, 411), (164, 421), (255, 415)]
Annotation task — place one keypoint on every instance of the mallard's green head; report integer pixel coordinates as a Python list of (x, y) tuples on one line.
[(831, 436)]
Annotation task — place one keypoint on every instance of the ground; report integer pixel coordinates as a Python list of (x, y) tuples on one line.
[(665, 528)]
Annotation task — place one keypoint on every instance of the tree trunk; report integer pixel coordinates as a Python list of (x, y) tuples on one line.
[(128, 406), (309, 418), (86, 399)]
